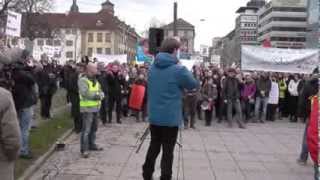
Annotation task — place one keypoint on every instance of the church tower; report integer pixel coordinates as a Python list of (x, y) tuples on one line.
[(108, 7), (74, 8)]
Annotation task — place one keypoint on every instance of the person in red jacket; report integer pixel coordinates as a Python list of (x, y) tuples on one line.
[(313, 133)]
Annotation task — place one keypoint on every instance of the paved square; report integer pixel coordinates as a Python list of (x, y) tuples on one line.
[(261, 152)]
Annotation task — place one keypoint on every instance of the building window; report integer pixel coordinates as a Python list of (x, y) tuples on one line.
[(99, 37), (40, 42), (108, 50), (108, 37), (90, 37), (69, 43), (99, 50), (90, 51), (69, 54), (57, 43), (49, 42)]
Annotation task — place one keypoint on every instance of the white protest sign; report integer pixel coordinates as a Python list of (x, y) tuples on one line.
[(255, 58), (188, 63), (107, 59), (50, 51), (13, 27)]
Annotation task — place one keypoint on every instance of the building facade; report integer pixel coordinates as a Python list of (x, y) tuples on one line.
[(256, 3), (230, 53), (284, 23), (74, 35), (216, 51), (244, 33), (186, 33), (313, 34), (247, 26)]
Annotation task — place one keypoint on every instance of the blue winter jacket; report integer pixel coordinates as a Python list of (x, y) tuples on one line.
[(166, 82)]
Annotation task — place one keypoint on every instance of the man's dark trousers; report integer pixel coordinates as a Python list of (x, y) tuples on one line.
[(114, 101), (166, 138), (75, 111), (46, 101)]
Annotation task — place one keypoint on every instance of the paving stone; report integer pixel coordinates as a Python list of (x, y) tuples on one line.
[(261, 152)]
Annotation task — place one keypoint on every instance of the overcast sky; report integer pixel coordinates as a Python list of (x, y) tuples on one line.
[(219, 15)]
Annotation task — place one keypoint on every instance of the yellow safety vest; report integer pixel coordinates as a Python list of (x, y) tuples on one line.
[(92, 89)]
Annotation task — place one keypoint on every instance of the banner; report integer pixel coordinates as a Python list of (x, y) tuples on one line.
[(189, 63), (107, 59), (48, 51), (13, 27), (255, 58)]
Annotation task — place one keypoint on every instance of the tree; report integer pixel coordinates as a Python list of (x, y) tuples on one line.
[(33, 6), (26, 6)]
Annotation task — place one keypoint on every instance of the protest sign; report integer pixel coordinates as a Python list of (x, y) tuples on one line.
[(107, 59), (13, 27)]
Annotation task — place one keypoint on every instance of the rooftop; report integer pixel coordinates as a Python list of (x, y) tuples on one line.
[(180, 23), (84, 21), (244, 8)]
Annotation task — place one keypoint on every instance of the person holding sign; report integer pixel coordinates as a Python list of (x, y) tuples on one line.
[(138, 99)]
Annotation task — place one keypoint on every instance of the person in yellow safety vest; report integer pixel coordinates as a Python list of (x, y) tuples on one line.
[(90, 97), (282, 95)]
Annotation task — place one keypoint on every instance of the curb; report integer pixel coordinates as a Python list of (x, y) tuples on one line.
[(41, 160)]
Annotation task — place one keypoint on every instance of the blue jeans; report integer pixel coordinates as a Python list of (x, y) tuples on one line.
[(25, 119), (264, 102), (304, 147), (234, 105), (88, 131)]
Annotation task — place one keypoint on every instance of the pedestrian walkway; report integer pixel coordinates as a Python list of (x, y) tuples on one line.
[(261, 152)]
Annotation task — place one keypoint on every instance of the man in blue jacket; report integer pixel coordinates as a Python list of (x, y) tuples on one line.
[(166, 82)]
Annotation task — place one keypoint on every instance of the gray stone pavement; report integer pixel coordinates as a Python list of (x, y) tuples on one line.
[(261, 152)]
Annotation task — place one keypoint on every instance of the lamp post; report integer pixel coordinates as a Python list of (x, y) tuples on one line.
[(175, 17)]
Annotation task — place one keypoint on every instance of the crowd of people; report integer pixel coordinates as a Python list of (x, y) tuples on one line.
[(224, 94)]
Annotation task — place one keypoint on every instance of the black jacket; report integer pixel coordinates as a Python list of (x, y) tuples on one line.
[(71, 82), (309, 89), (263, 84), (115, 84), (47, 80), (231, 89), (23, 91), (102, 79)]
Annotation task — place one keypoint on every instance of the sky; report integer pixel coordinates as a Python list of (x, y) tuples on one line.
[(219, 15)]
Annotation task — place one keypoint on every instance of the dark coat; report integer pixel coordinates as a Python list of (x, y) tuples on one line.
[(115, 84), (71, 83), (263, 84), (102, 78), (23, 91), (47, 81), (309, 89), (231, 89)]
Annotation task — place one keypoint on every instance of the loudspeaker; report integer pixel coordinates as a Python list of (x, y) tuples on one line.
[(156, 36)]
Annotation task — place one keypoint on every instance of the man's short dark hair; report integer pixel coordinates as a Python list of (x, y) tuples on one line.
[(170, 45)]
